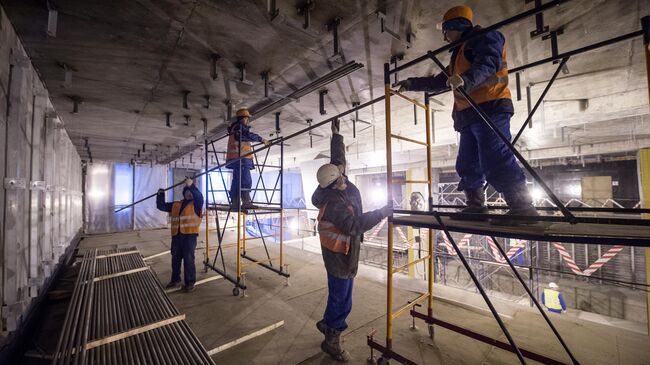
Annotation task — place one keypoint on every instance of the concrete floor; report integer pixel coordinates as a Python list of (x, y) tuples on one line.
[(217, 317)]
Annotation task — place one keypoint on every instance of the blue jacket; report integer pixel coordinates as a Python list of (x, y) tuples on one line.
[(485, 54), (197, 201), (562, 303), (243, 134)]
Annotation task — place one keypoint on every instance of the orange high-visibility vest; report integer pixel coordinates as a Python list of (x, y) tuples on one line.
[(187, 222), (494, 88), (331, 237), (234, 151)]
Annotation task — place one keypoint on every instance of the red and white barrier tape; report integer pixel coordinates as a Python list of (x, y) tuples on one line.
[(571, 263)]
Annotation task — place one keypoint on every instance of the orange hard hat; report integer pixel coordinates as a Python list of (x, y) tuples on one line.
[(460, 11), (243, 112)]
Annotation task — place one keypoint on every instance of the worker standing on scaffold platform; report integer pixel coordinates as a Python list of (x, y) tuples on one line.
[(553, 300), (479, 66), (239, 144), (341, 224), (185, 218)]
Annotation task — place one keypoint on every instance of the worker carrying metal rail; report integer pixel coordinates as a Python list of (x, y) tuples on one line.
[(239, 144), (185, 218), (341, 224), (479, 66), (553, 299)]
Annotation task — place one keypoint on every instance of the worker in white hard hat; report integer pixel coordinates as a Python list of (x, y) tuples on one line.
[(478, 65), (239, 144), (341, 224), (553, 299)]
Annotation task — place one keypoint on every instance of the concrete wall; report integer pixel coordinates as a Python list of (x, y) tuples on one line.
[(40, 203)]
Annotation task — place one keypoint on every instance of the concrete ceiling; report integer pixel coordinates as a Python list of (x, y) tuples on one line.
[(132, 60)]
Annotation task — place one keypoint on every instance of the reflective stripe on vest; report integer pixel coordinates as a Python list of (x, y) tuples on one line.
[(552, 299), (187, 222), (494, 88), (233, 151), (331, 237)]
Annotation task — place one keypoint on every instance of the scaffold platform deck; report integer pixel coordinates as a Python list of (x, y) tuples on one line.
[(586, 233)]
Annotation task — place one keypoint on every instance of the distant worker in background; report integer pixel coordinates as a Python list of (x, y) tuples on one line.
[(239, 144), (479, 66), (341, 224), (553, 299), (185, 223)]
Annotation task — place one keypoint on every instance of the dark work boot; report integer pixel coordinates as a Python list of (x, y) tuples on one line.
[(322, 326), (234, 205), (520, 203), (475, 201), (246, 201), (332, 345)]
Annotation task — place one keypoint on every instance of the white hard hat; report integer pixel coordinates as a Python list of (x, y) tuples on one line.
[(553, 286), (327, 174)]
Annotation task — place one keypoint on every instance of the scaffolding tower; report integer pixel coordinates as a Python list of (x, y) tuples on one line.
[(250, 224), (567, 227)]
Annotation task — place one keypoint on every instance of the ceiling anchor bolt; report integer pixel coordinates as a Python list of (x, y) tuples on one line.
[(214, 75), (305, 9), (321, 101), (168, 119), (186, 94)]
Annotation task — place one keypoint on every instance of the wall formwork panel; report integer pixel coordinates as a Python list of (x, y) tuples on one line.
[(40, 200)]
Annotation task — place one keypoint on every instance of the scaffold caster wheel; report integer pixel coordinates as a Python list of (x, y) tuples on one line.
[(235, 291), (382, 361), (431, 332)]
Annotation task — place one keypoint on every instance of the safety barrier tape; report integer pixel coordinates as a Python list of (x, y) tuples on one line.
[(568, 259)]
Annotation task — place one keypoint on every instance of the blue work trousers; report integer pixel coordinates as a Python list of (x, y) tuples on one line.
[(240, 172), (183, 247), (482, 156), (339, 302)]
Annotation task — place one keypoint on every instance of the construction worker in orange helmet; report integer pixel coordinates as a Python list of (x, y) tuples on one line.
[(478, 65), (239, 145)]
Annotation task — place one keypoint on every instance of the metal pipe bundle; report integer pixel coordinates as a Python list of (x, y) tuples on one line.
[(119, 314)]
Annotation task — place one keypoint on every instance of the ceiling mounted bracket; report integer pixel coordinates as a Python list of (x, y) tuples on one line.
[(356, 118), (187, 120), (384, 29), (213, 66), (333, 26), (186, 94), (228, 103), (394, 59), (272, 9), (305, 9), (540, 28), (241, 66), (52, 19), (207, 101), (168, 119), (265, 77), (311, 137), (321, 101), (76, 101), (277, 124)]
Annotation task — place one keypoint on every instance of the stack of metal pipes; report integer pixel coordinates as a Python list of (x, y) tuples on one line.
[(119, 314)]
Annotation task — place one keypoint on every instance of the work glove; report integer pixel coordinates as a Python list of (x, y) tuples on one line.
[(161, 191), (188, 182), (266, 142), (455, 81), (404, 85), (386, 210), (336, 126)]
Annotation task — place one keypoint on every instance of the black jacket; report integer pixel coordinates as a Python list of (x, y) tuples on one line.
[(351, 223)]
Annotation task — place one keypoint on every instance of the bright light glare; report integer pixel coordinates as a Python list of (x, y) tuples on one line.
[(293, 224), (96, 194), (537, 194), (378, 195), (99, 170), (575, 190)]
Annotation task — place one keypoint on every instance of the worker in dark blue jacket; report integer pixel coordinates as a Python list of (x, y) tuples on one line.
[(239, 158), (185, 216), (479, 66)]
